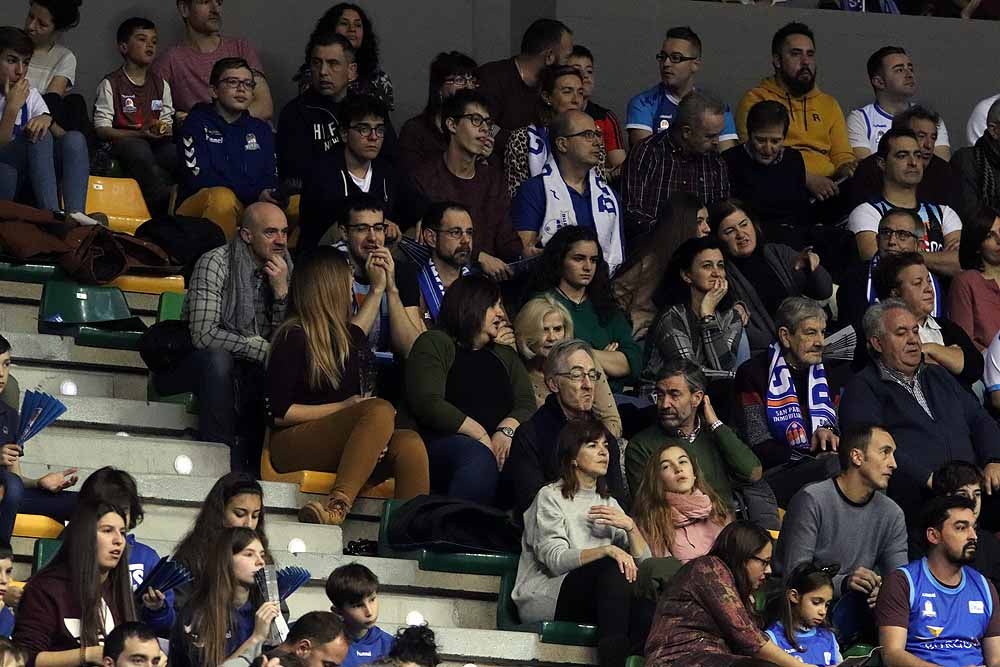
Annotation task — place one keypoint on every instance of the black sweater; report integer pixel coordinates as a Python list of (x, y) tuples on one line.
[(775, 193)]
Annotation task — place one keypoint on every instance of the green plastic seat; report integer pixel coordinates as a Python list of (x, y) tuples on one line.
[(488, 564), (107, 339), (96, 316), (169, 308), (635, 661), (30, 272), (864, 649), (45, 550), (550, 632)]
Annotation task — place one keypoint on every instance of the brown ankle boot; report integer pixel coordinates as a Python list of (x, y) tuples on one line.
[(332, 512)]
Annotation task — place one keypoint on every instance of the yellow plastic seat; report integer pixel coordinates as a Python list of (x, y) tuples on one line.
[(314, 481), (149, 284), (774, 534), (37, 526), (120, 199)]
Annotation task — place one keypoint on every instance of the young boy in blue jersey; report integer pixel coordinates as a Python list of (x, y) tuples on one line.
[(6, 574), (801, 624), (353, 592), (938, 610)]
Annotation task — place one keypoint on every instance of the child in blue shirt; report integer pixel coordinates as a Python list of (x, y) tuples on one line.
[(353, 592), (800, 627)]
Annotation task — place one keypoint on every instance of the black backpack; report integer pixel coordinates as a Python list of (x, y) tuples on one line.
[(184, 238), (443, 523)]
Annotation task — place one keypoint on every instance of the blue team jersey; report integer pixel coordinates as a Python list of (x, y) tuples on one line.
[(817, 646), (654, 110), (374, 645), (946, 625)]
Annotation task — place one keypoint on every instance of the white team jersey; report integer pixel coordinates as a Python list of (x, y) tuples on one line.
[(865, 127)]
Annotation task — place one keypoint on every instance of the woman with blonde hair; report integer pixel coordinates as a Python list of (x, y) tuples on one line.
[(676, 510), (540, 324), (320, 403)]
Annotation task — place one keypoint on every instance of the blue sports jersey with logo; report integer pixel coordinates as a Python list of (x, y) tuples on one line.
[(947, 624), (817, 646)]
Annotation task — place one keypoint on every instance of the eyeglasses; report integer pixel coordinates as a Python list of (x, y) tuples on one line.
[(766, 562), (454, 233), (236, 84), (898, 234), (577, 374), (675, 58), (589, 135), (380, 228), (476, 119), (366, 130), (462, 81)]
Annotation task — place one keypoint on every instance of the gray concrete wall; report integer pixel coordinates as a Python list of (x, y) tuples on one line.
[(955, 61)]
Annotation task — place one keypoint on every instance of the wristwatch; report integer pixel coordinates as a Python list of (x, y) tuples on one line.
[(506, 430)]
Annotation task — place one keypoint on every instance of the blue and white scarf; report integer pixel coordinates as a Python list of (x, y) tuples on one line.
[(784, 415), (872, 298), (431, 287), (538, 149)]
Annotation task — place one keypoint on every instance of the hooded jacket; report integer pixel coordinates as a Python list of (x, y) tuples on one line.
[(237, 155), (818, 129)]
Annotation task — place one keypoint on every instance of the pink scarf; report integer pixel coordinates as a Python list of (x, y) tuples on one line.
[(688, 508)]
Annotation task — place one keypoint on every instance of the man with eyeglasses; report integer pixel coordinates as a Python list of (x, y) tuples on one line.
[(386, 299), (899, 231), (902, 170), (571, 193), (236, 299), (227, 155), (685, 417), (187, 66), (847, 521), (447, 229), (570, 375), (354, 166), (309, 129), (461, 175), (654, 110)]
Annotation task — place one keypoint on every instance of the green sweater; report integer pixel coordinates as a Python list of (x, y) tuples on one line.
[(587, 326), (427, 367), (721, 455)]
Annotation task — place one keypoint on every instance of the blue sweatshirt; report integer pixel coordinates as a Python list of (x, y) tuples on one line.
[(141, 561), (6, 622), (237, 155), (374, 645)]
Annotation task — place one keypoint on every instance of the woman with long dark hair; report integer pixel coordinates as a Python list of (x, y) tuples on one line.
[(974, 296), (682, 217), (573, 270), (761, 275), (707, 615), (321, 373), (467, 392), (73, 602), (560, 89), (702, 324), (422, 137), (351, 21), (226, 616), (580, 550)]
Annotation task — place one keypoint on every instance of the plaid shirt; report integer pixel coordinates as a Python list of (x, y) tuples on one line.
[(658, 167), (711, 343), (912, 387), (203, 309)]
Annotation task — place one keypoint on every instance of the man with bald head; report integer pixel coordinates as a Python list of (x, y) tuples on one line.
[(569, 191), (236, 298)]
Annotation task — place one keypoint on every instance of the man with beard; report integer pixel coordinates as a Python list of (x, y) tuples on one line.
[(903, 169), (533, 462), (932, 417), (818, 129), (686, 418), (977, 170), (845, 520), (938, 610), (447, 228)]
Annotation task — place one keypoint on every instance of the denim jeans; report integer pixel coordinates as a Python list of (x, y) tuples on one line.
[(18, 499), (37, 164), (462, 467)]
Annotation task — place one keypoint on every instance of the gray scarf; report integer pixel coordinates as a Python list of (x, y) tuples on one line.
[(238, 311)]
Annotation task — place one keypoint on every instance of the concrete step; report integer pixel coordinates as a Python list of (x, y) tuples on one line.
[(58, 448), (61, 352), (95, 384), (496, 647), (120, 415)]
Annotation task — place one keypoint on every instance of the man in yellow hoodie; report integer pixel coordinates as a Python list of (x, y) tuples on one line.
[(818, 129)]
